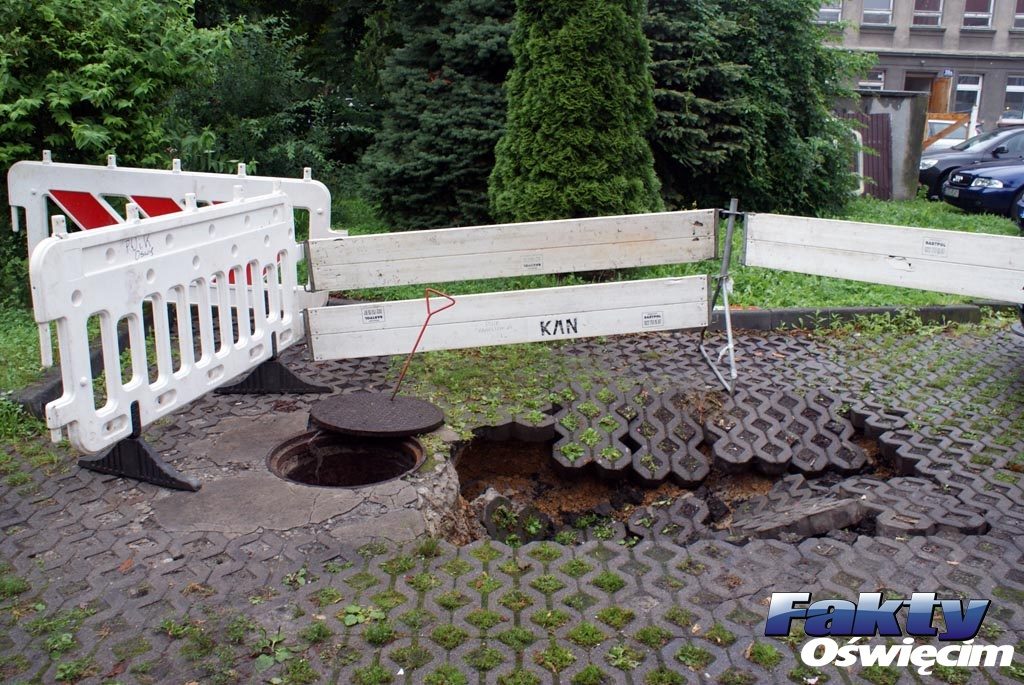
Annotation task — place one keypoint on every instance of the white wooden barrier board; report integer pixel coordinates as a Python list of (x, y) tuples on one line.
[(112, 274), (544, 247), (971, 264), (510, 317)]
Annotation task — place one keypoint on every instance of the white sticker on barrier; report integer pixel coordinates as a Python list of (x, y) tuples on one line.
[(152, 270), (512, 317), (542, 247), (971, 264)]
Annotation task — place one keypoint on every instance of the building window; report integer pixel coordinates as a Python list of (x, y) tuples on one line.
[(978, 13), (968, 93), (875, 80), (878, 12), (927, 12), (1013, 107), (1018, 19), (832, 10)]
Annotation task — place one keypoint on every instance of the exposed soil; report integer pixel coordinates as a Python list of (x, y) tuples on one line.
[(524, 472), (877, 465)]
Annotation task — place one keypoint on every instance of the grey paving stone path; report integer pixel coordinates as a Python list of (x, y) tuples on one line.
[(253, 579)]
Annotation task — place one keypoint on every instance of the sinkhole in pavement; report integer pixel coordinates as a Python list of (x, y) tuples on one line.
[(516, 492)]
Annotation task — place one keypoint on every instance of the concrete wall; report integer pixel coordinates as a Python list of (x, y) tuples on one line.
[(907, 113)]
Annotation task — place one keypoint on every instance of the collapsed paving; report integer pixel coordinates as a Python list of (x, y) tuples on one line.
[(889, 463)]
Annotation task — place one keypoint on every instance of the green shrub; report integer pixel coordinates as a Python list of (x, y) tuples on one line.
[(746, 112), (580, 101), (445, 111), (88, 77), (259, 107)]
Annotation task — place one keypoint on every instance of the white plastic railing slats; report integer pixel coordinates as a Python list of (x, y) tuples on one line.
[(971, 264), (32, 184), (29, 185), (543, 247), (118, 273), (511, 317)]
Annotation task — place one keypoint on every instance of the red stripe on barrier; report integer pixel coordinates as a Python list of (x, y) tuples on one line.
[(86, 210), (248, 276), (156, 206)]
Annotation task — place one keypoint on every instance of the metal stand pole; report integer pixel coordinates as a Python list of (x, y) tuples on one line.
[(723, 287)]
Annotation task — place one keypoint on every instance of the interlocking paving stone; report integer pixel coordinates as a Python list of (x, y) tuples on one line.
[(945, 411)]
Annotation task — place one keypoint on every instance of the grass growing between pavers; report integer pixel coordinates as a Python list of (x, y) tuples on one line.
[(292, 637), (902, 350), (237, 647), (363, 620)]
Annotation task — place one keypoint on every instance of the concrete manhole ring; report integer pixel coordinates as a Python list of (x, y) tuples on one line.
[(338, 461)]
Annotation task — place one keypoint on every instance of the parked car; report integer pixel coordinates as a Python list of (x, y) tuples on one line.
[(993, 187), (1002, 144), (1011, 117), (957, 136), (1018, 214)]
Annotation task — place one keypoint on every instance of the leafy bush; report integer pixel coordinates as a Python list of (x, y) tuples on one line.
[(88, 77), (259, 106), (429, 164)]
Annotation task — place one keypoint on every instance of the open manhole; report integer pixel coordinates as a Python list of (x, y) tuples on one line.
[(341, 461)]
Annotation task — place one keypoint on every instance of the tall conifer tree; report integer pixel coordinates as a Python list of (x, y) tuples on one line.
[(579, 106), (744, 92), (429, 165)]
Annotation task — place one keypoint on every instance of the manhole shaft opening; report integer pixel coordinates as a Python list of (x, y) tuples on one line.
[(323, 459)]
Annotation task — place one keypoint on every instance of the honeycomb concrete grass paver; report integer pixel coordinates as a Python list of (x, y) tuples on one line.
[(118, 589)]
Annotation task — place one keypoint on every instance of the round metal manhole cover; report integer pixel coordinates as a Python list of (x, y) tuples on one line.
[(372, 414)]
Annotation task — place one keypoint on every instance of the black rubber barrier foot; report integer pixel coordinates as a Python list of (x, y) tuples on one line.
[(271, 378), (134, 458)]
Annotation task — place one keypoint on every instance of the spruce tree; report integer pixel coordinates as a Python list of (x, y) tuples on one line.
[(429, 165), (744, 92), (705, 120), (579, 106)]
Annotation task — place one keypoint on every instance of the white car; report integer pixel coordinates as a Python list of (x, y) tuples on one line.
[(956, 137)]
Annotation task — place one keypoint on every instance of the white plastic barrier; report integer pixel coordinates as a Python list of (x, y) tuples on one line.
[(113, 274), (972, 264), (84, 192), (512, 250)]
